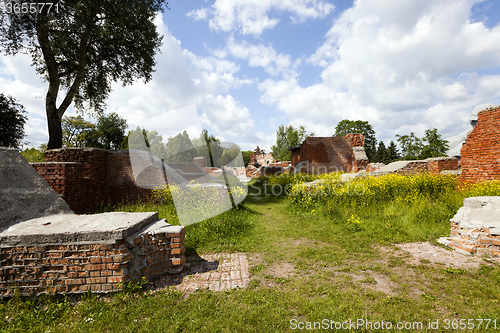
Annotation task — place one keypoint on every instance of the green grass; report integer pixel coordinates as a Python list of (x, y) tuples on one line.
[(330, 267)]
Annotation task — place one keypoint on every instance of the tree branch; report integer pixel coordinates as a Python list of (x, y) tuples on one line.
[(50, 61), (80, 72)]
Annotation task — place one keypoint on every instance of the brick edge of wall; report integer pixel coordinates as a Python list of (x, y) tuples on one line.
[(101, 267), (474, 241)]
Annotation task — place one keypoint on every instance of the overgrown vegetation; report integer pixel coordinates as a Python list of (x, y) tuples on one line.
[(313, 256)]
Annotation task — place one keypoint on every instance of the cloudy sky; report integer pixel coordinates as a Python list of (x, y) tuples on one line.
[(241, 68)]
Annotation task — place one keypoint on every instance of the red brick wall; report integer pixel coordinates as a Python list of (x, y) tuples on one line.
[(86, 178), (436, 165), (356, 140), (480, 154), (296, 156), (120, 178), (77, 268), (326, 153), (474, 241)]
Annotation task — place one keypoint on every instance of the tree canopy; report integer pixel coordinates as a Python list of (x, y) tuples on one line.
[(286, 137), (12, 120), (76, 131), (82, 47), (436, 146), (346, 126), (109, 132), (431, 145)]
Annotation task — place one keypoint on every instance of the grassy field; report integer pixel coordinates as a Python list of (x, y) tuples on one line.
[(315, 257)]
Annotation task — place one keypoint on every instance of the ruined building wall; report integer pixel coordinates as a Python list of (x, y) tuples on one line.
[(86, 178), (480, 154), (328, 154), (78, 175)]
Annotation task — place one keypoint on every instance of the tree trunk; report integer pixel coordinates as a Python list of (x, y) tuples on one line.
[(55, 130)]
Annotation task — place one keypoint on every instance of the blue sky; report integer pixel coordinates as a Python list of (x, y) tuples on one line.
[(249, 66)]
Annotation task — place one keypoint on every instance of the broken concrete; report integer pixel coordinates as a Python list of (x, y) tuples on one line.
[(24, 194), (57, 229), (479, 212), (475, 228), (67, 253)]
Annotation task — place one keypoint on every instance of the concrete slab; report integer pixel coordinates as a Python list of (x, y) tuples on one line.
[(480, 212), (65, 228), (24, 194)]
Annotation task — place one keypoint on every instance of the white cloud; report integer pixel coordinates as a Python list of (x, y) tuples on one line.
[(260, 56), (251, 16), (402, 65), (181, 78)]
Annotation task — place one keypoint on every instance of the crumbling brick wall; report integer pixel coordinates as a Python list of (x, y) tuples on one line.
[(480, 154), (121, 183), (328, 154), (78, 175), (78, 267), (86, 178), (438, 164)]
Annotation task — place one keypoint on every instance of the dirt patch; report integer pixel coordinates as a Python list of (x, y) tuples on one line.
[(282, 269), (438, 256)]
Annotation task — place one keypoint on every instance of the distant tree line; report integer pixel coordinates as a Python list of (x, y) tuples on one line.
[(180, 148), (410, 146)]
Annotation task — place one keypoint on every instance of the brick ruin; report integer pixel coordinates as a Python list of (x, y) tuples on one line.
[(328, 154), (45, 247), (86, 178), (480, 154), (475, 229), (261, 158)]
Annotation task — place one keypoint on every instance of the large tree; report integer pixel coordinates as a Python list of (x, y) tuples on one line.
[(180, 148), (12, 120), (358, 126), (111, 129), (286, 137), (435, 145), (411, 146), (81, 47), (76, 131)]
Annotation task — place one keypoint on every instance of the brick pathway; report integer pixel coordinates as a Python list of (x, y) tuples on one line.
[(217, 272)]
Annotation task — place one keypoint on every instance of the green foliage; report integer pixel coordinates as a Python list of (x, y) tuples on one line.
[(180, 148), (246, 157), (392, 153), (133, 287), (286, 137), (33, 155), (431, 145), (77, 132), (12, 120), (479, 189), (381, 156), (111, 130), (411, 146), (142, 139), (107, 134), (435, 147), (209, 147), (386, 155), (358, 126), (83, 47)]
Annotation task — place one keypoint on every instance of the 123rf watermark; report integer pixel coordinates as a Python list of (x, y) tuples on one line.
[(364, 324)]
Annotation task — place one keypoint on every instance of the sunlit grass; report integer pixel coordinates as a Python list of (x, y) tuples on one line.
[(332, 245)]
